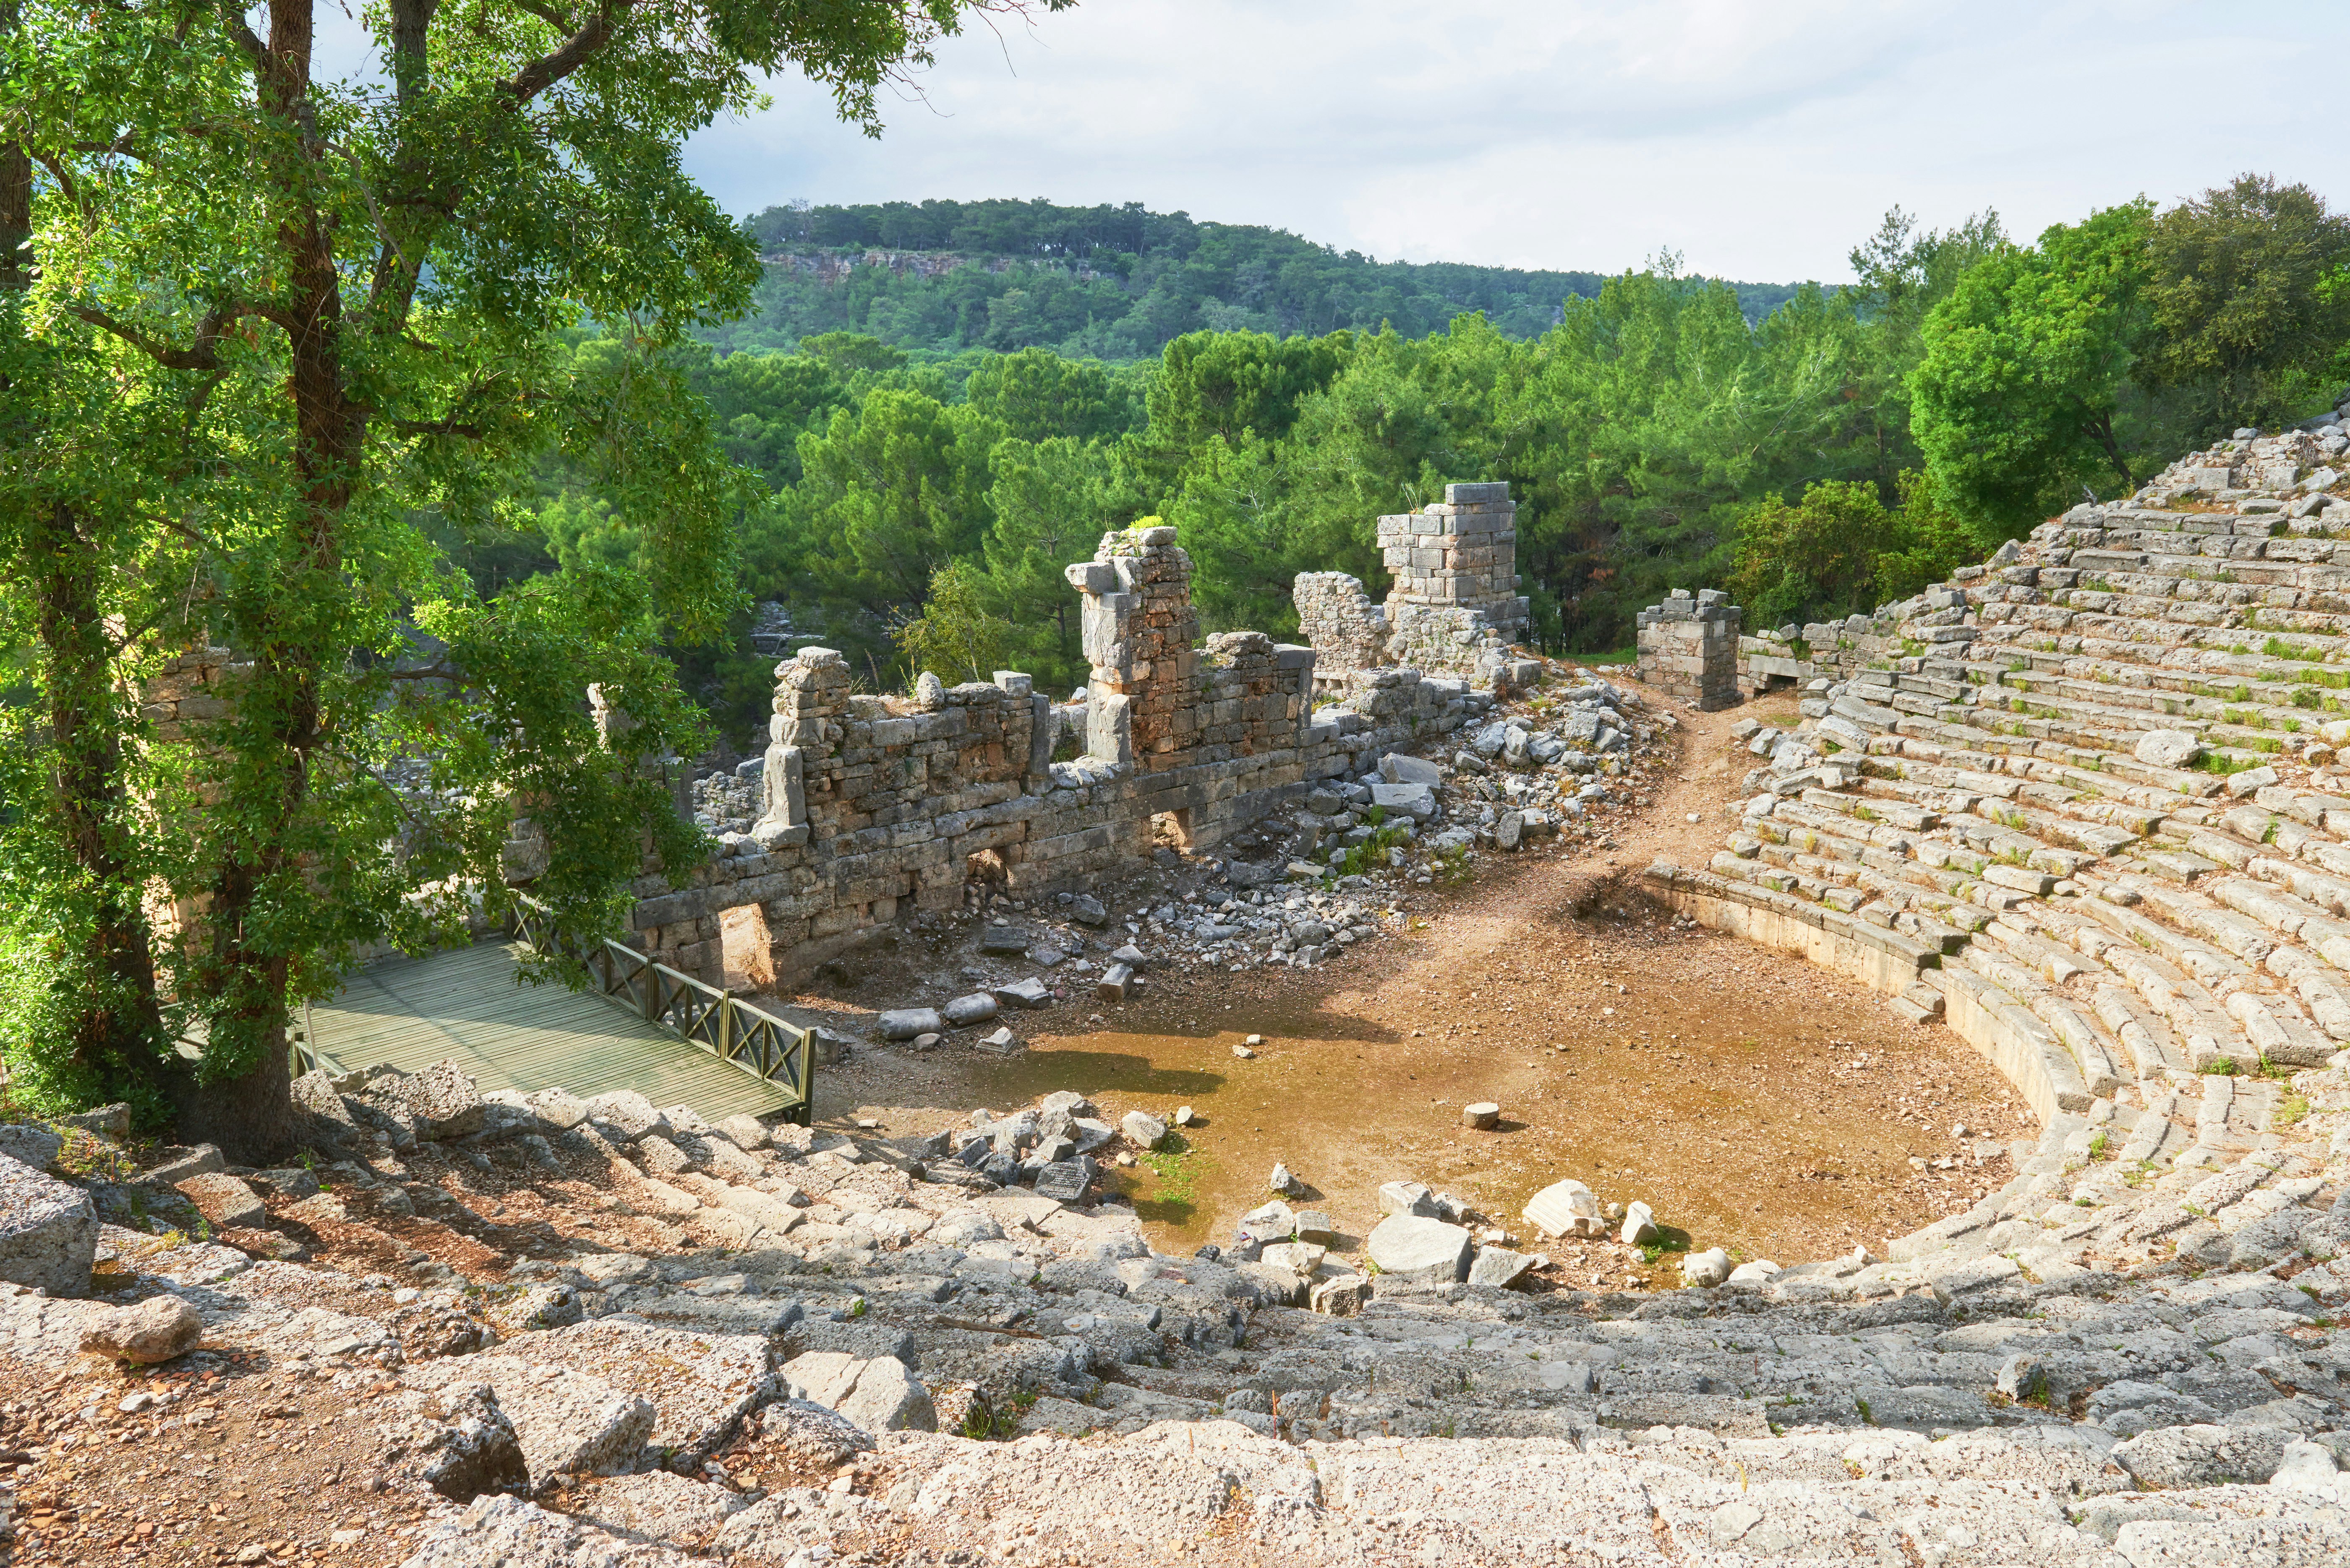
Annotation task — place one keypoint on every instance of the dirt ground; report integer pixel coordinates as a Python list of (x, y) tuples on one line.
[(1753, 1100), (278, 1475)]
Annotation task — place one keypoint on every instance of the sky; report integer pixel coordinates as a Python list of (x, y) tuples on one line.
[(1758, 140)]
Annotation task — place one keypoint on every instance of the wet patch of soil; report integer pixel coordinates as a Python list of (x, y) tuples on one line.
[(1753, 1100)]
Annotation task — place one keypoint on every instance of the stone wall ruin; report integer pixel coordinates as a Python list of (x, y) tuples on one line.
[(1689, 649), (873, 805), (1455, 607)]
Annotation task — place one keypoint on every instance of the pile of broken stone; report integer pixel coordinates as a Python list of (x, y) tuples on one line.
[(1077, 948), (1540, 763), (1558, 757), (1977, 1399), (1546, 764), (2288, 471)]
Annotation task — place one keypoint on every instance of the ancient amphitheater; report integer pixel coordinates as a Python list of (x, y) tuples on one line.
[(2078, 803)]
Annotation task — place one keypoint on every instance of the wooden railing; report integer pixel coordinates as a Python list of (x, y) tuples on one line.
[(730, 1029)]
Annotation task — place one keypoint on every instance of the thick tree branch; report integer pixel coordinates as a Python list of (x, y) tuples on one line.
[(548, 70), (128, 145), (411, 24), (243, 37), (553, 16), (71, 191), (452, 426), (203, 355)]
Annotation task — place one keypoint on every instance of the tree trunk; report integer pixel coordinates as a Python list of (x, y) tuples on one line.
[(15, 188), (117, 1031), (2102, 431), (252, 1114)]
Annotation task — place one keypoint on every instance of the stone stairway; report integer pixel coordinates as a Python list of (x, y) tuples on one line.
[(2085, 788)]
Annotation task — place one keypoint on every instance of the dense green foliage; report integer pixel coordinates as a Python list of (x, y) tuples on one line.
[(292, 350), (1840, 546), (1842, 451), (1109, 283), (2085, 361), (2246, 300), (399, 388)]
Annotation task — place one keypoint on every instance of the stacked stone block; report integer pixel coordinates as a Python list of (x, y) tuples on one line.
[(2086, 802), (1339, 622), (1689, 649), (1455, 606), (1772, 660), (1139, 630), (190, 689), (1459, 553)]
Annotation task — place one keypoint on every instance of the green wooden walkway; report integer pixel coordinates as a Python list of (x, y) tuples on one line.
[(465, 1004)]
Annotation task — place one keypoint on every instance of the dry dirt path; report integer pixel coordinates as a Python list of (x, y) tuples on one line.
[(1752, 1099)]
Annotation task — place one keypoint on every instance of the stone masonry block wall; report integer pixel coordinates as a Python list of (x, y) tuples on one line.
[(1689, 649), (1459, 553), (1138, 630), (873, 804), (1835, 649), (192, 690), (191, 687)]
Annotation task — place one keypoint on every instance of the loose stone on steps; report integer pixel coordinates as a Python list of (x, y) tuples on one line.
[(1567, 1208), (1407, 1245)]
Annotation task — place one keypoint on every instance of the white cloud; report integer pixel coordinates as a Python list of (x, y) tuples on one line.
[(1758, 140)]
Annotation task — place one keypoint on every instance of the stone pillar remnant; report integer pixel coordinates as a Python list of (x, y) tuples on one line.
[(1689, 649)]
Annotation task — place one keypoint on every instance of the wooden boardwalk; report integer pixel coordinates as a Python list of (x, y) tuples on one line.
[(466, 1004)]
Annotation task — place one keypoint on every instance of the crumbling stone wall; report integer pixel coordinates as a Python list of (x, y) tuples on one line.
[(1337, 617), (871, 804), (1689, 649), (1138, 629), (191, 687), (1455, 608), (1775, 658)]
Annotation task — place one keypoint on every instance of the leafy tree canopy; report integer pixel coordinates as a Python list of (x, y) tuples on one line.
[(288, 337), (2022, 381), (2247, 301)]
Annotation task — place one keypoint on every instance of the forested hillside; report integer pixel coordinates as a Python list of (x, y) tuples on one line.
[(1843, 450), (1111, 283)]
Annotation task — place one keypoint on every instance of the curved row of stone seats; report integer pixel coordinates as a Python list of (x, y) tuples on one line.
[(2106, 997), (1997, 1385), (1993, 1381), (2117, 933), (2234, 717)]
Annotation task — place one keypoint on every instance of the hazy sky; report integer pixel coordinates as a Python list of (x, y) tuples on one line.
[(1760, 138)]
